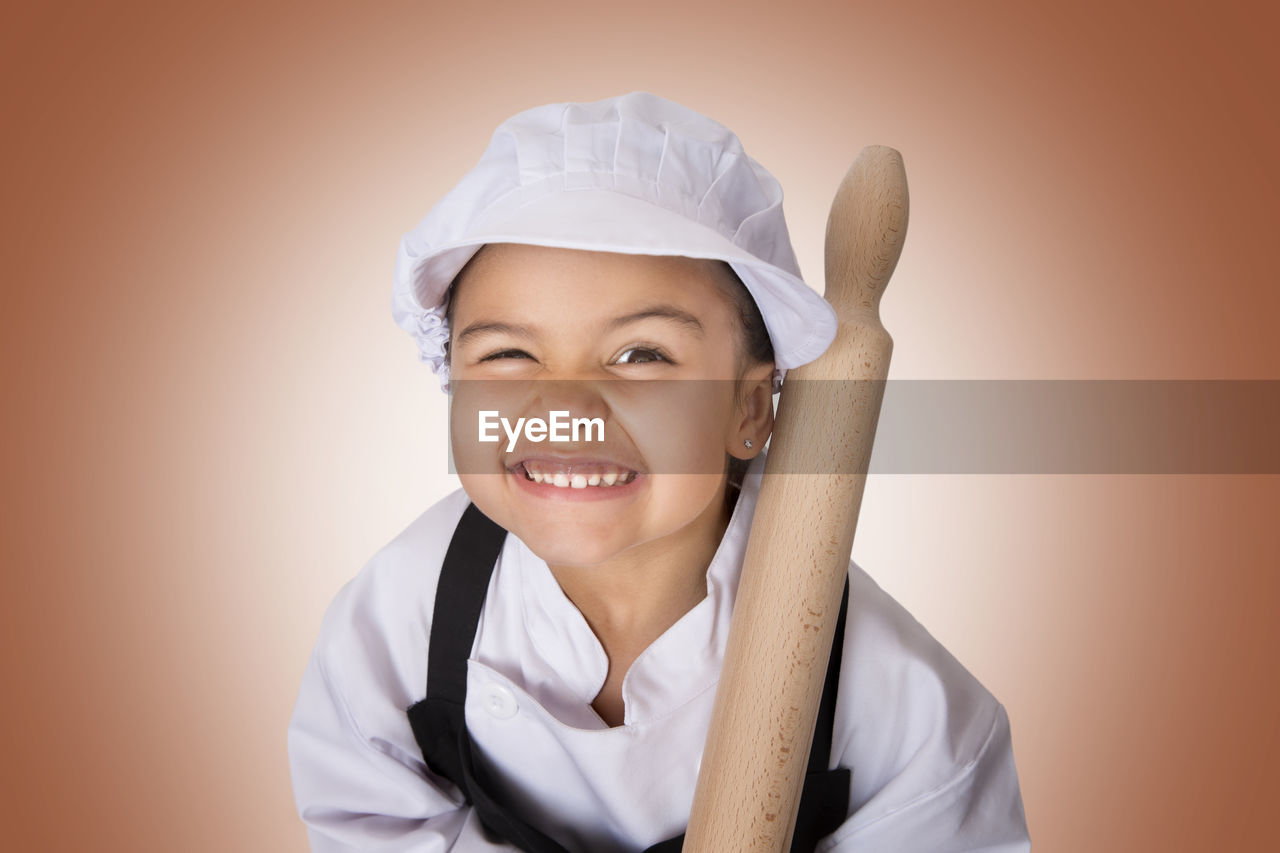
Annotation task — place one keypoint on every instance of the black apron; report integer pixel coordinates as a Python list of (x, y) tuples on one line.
[(439, 723)]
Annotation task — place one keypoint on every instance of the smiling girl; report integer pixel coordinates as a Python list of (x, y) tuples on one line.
[(629, 525), (532, 663)]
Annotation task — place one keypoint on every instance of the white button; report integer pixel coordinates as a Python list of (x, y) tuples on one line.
[(499, 702)]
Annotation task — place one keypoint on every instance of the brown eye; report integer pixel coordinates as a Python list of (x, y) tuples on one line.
[(641, 355)]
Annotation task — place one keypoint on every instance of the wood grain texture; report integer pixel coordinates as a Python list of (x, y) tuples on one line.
[(798, 553)]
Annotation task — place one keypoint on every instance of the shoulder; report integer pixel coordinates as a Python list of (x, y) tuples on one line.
[(909, 707), (373, 638), (351, 747), (929, 747)]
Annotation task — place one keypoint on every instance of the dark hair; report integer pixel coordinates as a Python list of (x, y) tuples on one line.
[(756, 348)]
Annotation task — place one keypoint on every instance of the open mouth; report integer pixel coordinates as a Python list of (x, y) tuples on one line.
[(574, 475)]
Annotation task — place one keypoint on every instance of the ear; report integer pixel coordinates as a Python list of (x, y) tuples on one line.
[(753, 415)]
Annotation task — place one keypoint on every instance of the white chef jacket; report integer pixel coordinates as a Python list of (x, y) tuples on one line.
[(929, 747)]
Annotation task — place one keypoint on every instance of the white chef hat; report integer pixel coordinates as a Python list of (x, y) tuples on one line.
[(634, 174)]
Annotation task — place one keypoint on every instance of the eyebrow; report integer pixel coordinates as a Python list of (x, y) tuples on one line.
[(480, 328), (661, 312)]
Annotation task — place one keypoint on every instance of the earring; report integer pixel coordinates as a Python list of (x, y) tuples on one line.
[(748, 443)]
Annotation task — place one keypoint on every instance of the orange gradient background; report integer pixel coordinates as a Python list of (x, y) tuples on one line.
[(211, 421)]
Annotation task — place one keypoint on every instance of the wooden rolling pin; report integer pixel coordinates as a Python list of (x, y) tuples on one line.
[(801, 538)]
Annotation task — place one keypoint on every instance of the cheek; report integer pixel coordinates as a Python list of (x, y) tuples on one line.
[(678, 427), (488, 493), (680, 498), (475, 407)]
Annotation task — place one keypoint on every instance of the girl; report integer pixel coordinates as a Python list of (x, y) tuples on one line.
[(532, 663)]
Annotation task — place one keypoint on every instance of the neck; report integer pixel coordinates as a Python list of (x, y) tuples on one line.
[(632, 598)]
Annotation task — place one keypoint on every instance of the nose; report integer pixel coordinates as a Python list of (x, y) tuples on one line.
[(581, 398)]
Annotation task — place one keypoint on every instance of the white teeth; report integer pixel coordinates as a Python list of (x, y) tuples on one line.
[(579, 480)]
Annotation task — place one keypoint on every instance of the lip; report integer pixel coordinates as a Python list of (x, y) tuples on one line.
[(519, 458), (591, 493)]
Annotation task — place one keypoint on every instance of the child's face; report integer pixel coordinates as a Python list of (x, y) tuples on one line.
[(648, 344)]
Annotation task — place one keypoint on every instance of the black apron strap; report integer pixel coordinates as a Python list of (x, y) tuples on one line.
[(439, 720), (464, 582), (824, 802)]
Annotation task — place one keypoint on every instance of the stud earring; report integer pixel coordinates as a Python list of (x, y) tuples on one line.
[(748, 443)]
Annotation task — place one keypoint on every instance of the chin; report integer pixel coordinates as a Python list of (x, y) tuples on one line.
[(568, 544)]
